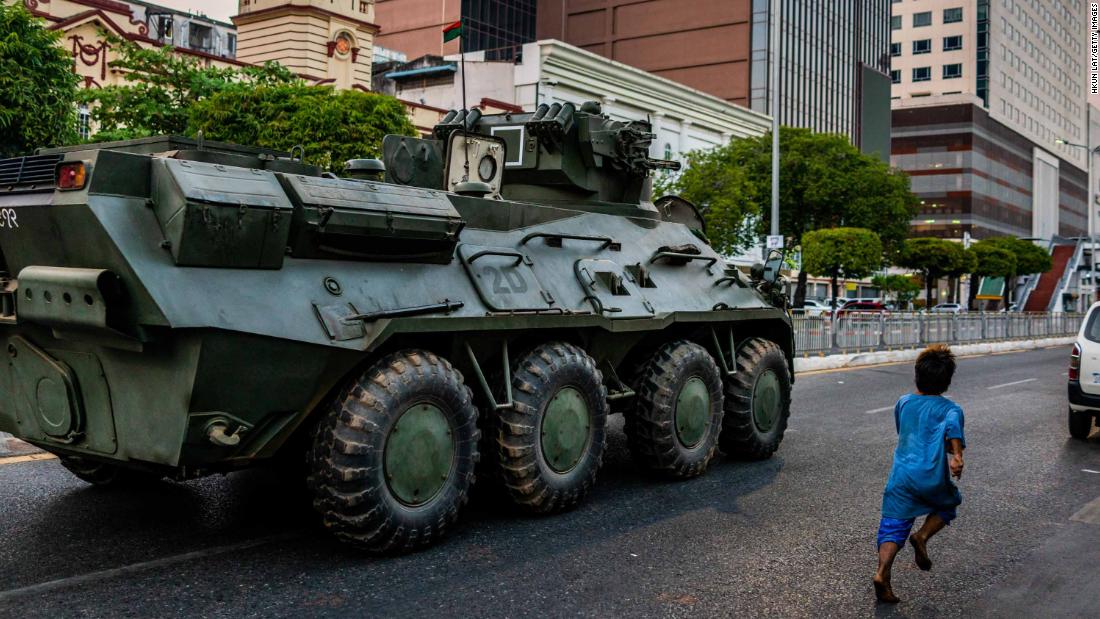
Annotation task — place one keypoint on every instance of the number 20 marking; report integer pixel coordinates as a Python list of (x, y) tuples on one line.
[(8, 218), (507, 282)]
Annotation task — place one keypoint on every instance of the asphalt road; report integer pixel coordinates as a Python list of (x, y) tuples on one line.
[(792, 536)]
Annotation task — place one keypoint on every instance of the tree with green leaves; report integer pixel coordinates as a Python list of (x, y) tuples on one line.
[(903, 288), (161, 88), (825, 182), (841, 252), (1030, 260), (38, 88), (331, 126), (992, 261), (933, 258)]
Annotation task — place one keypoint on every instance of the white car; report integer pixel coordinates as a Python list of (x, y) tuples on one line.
[(948, 308), (812, 307), (1084, 376)]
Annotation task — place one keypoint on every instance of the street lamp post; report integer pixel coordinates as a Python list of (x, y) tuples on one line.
[(775, 116), (1091, 206)]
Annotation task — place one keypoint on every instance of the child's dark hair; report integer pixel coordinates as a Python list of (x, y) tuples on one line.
[(935, 367)]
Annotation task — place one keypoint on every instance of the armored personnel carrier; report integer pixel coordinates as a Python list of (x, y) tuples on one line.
[(474, 305)]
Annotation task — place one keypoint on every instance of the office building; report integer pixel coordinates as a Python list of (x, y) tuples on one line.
[(497, 27), (981, 92), (833, 64)]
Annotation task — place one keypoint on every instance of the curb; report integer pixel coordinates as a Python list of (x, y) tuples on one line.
[(852, 360), (11, 446)]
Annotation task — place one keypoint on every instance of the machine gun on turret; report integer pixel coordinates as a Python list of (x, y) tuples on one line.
[(556, 153)]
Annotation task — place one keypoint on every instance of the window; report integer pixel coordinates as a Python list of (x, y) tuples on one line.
[(922, 19), (922, 74), (84, 122), (951, 16), (895, 22), (952, 71), (923, 46), (895, 76), (895, 49), (952, 43), (668, 151)]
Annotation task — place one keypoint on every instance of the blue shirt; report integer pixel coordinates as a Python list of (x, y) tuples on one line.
[(920, 480)]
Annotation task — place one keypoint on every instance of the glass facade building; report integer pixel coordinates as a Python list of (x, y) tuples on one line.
[(830, 50), (497, 27)]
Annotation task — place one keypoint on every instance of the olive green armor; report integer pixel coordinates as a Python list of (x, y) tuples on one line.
[(469, 309)]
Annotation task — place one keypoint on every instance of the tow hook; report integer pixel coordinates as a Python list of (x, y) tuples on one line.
[(218, 433)]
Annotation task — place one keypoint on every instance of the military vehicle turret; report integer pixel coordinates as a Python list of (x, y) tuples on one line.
[(474, 305)]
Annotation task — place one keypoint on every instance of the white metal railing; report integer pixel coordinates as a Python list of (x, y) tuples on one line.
[(868, 331)]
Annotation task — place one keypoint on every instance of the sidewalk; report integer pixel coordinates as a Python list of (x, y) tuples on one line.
[(14, 447), (814, 363)]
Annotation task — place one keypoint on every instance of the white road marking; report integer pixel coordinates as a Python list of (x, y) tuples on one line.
[(1089, 514), (133, 568), (1090, 471), (1015, 382), (879, 410)]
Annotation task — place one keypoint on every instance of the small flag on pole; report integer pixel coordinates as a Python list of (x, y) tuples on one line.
[(452, 32)]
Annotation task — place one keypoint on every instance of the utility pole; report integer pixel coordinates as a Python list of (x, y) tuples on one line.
[(775, 115)]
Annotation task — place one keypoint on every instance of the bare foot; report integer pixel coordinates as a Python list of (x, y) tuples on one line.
[(920, 552), (884, 592)]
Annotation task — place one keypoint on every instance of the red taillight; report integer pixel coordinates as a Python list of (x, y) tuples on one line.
[(71, 175), (1075, 363)]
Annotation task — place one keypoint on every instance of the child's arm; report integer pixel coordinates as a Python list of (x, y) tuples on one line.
[(955, 460)]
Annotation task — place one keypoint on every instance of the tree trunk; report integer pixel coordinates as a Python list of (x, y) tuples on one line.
[(1010, 283), (800, 289), (927, 291), (951, 288), (972, 301)]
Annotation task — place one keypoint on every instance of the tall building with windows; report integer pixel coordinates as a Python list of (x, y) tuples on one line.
[(982, 89), (497, 27), (833, 63)]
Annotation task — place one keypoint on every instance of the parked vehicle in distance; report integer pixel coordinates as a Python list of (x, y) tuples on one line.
[(1084, 376), (811, 307), (860, 307), (948, 308)]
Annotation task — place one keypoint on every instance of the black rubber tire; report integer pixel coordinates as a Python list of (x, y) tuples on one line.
[(347, 459), (741, 438), (1080, 425), (105, 475), (514, 456), (651, 425)]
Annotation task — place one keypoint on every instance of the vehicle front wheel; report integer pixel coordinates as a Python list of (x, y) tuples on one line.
[(1080, 424), (758, 402), (393, 460)]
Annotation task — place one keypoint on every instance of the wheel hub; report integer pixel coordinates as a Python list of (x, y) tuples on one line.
[(766, 400), (565, 429), (419, 454), (692, 412)]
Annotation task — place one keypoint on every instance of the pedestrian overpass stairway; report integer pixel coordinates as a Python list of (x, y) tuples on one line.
[(1051, 282)]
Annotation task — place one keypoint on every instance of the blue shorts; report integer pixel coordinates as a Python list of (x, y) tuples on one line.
[(897, 530)]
